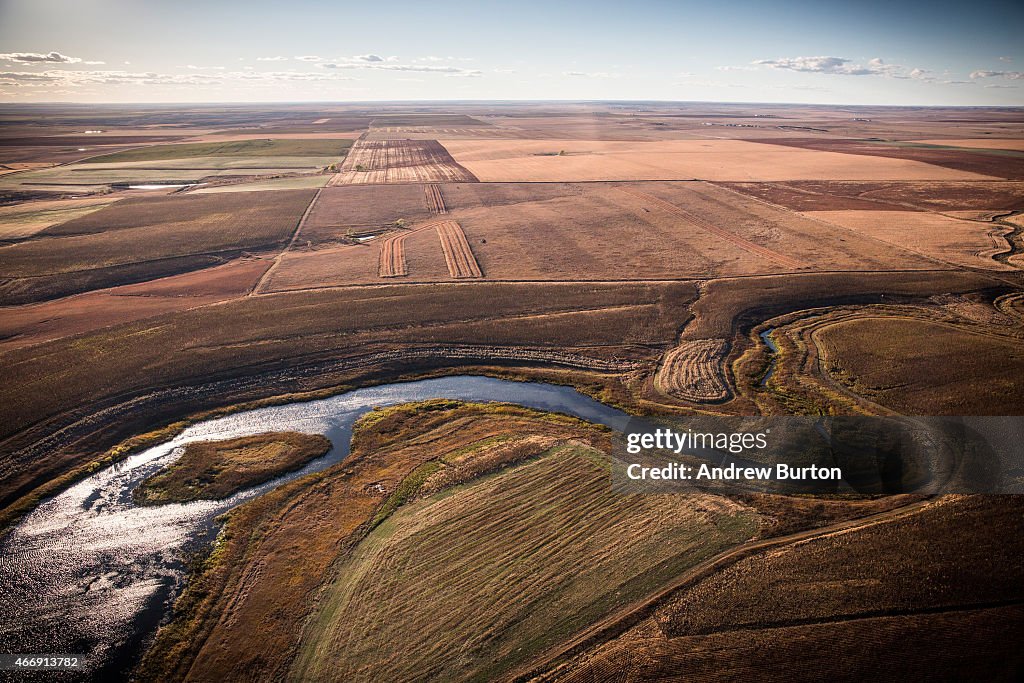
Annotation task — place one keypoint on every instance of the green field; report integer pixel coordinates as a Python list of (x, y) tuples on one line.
[(235, 148)]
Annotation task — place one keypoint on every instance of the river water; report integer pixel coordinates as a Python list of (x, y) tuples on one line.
[(89, 573)]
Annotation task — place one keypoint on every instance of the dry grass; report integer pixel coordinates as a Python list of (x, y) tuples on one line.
[(281, 547), (457, 253), (141, 230), (435, 200), (960, 242), (693, 371), (731, 160), (213, 470), (922, 367), (24, 220), (468, 583), (926, 595)]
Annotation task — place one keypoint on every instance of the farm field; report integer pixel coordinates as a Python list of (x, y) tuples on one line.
[(984, 143), (662, 258), (853, 349), (1002, 164), (906, 196), (961, 242), (582, 232), (264, 147), (176, 233), (729, 160), (906, 586), (20, 220), (399, 161), (512, 550)]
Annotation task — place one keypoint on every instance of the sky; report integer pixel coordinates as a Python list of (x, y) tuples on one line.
[(868, 52)]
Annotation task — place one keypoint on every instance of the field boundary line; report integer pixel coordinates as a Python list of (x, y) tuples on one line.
[(295, 236)]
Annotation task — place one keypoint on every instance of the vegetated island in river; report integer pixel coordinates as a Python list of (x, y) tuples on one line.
[(213, 470)]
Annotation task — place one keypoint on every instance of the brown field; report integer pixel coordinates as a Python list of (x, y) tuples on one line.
[(906, 196), (585, 232), (982, 143), (793, 196), (342, 209), (24, 220), (692, 371), (31, 324), (975, 163), (884, 358), (435, 200), (960, 242), (160, 236), (729, 160), (214, 470), (399, 161), (896, 596), (714, 229), (457, 253), (934, 375), (392, 255)]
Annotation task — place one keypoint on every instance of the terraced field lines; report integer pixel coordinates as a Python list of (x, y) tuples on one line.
[(392, 252), (732, 238), (692, 371), (392, 256), (457, 254), (399, 161), (435, 200)]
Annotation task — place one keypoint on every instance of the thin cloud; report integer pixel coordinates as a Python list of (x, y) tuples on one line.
[(368, 58), (81, 79), (40, 58), (421, 68), (1011, 75), (589, 74), (309, 58), (822, 65), (841, 66), (278, 58)]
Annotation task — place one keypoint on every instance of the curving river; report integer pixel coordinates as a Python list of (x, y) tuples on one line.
[(89, 573)]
